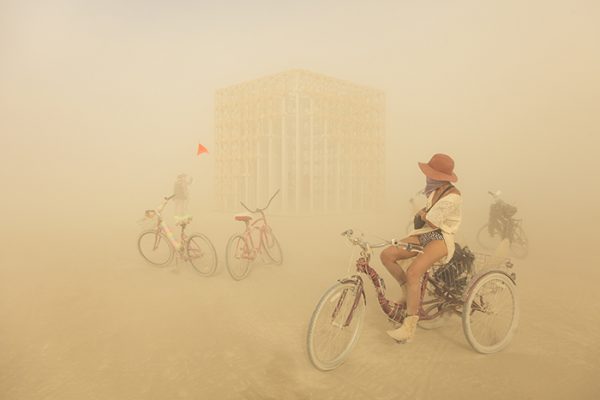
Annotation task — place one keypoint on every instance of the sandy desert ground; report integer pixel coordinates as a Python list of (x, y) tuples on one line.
[(85, 318)]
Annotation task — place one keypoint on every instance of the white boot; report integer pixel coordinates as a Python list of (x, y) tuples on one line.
[(406, 332)]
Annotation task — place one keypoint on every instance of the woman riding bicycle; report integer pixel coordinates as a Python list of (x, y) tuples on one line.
[(440, 221)]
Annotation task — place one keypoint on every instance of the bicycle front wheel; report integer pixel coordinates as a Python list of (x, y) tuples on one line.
[(272, 248), (491, 313), (335, 325), (201, 254), (238, 257), (519, 246), (154, 246)]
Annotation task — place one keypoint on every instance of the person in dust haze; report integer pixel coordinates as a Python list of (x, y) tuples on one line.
[(181, 194), (442, 217)]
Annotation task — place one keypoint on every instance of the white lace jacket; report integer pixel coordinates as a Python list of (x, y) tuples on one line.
[(446, 214)]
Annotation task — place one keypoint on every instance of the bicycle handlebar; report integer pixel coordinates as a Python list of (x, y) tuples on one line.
[(246, 207), (257, 210), (394, 242), (164, 203), (158, 210)]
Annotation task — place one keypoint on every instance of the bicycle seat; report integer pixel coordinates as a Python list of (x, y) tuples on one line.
[(243, 217), (182, 221)]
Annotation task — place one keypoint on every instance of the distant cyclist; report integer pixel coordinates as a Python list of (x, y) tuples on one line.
[(500, 215), (181, 195)]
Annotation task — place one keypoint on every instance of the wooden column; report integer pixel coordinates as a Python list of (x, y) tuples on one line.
[(298, 152), (311, 178), (284, 166)]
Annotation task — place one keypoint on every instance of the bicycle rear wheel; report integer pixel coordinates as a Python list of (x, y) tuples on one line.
[(154, 246), (272, 248), (491, 313), (237, 257), (201, 254), (335, 325)]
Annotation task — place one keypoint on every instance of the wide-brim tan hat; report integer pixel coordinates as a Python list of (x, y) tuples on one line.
[(440, 168)]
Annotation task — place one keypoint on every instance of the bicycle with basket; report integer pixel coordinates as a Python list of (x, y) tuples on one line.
[(478, 287)]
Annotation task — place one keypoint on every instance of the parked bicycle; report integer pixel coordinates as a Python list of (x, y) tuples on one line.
[(500, 226), (158, 245), (484, 297), (256, 240)]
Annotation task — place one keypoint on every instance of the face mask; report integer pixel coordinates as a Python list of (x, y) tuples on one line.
[(432, 185)]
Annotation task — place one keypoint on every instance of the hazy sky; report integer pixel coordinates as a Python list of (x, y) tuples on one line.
[(103, 102)]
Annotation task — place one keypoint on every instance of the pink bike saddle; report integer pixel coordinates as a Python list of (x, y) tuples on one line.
[(243, 218)]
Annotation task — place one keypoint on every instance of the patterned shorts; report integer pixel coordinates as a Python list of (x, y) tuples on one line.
[(427, 237)]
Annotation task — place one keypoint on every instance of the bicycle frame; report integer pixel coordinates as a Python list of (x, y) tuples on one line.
[(507, 225), (443, 300), (394, 311), (177, 244), (162, 227), (507, 228), (262, 227)]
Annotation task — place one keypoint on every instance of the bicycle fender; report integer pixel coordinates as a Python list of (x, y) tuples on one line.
[(356, 280), (479, 276)]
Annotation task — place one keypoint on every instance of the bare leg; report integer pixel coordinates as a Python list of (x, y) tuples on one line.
[(434, 251), (392, 254)]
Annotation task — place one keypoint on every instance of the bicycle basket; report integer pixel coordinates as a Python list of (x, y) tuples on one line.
[(455, 274)]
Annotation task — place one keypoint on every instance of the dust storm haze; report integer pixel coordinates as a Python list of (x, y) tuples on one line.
[(103, 104)]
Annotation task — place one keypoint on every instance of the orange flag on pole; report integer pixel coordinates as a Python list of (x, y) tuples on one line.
[(201, 149)]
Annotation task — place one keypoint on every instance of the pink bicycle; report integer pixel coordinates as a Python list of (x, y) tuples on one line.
[(256, 240), (159, 245), (486, 300)]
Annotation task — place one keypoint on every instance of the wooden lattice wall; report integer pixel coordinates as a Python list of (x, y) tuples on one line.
[(318, 139)]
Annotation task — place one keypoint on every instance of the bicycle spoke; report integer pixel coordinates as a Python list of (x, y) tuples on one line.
[(491, 324)]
